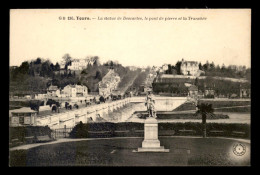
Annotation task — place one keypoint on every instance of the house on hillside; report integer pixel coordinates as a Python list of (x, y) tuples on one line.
[(132, 68), (75, 91), (189, 67), (80, 64), (40, 96), (109, 83), (53, 91), (165, 67)]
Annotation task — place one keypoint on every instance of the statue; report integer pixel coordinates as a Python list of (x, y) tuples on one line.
[(151, 143), (150, 105)]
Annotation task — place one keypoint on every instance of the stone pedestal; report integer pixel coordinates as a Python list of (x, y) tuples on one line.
[(151, 142)]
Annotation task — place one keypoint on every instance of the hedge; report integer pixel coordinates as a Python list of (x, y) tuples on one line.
[(20, 132), (129, 129), (185, 116)]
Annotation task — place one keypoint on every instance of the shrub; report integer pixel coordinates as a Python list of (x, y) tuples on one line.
[(82, 130), (21, 132)]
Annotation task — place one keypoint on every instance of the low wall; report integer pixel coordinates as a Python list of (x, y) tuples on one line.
[(162, 103)]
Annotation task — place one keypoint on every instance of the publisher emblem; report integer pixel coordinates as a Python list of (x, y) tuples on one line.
[(239, 149)]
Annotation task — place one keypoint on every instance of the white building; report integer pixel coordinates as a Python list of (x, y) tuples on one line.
[(22, 117), (40, 96), (53, 91), (80, 64), (132, 68), (75, 91), (62, 64), (189, 67), (109, 83), (165, 67)]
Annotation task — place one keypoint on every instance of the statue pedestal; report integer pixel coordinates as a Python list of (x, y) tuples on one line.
[(151, 142)]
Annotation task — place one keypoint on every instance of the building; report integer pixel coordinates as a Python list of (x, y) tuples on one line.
[(165, 67), (80, 64), (40, 96), (189, 67), (53, 91), (245, 91), (75, 91), (109, 83), (62, 64), (22, 117), (132, 68)]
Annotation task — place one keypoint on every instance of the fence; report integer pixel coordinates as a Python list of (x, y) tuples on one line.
[(61, 133)]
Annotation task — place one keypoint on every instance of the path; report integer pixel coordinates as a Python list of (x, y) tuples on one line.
[(29, 146)]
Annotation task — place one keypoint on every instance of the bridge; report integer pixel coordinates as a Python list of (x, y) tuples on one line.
[(105, 111)]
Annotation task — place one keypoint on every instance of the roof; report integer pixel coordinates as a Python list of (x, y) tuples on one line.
[(75, 85), (190, 62), (23, 110), (44, 108), (193, 88), (52, 88)]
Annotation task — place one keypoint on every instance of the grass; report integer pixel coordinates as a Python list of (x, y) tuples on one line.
[(118, 152), (235, 109)]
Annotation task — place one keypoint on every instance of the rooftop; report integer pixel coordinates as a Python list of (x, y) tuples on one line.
[(23, 110), (52, 88)]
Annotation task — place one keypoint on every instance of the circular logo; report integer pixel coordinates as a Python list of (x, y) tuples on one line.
[(239, 149)]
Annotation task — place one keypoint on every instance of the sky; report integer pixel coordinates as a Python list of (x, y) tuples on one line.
[(223, 36)]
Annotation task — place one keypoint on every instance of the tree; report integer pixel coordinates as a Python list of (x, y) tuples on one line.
[(196, 82), (204, 109), (200, 66), (98, 75), (212, 65), (102, 99), (57, 66), (178, 67), (35, 105), (97, 61), (38, 61), (67, 59), (31, 72), (206, 66), (52, 67), (24, 68), (169, 69)]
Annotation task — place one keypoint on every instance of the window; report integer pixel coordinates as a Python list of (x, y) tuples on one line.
[(21, 120)]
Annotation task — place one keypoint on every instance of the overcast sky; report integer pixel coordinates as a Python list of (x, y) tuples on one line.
[(224, 37)]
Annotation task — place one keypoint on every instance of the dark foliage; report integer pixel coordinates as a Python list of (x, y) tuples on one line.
[(21, 132), (133, 129)]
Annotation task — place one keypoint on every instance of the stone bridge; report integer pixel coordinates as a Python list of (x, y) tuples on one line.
[(71, 118)]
